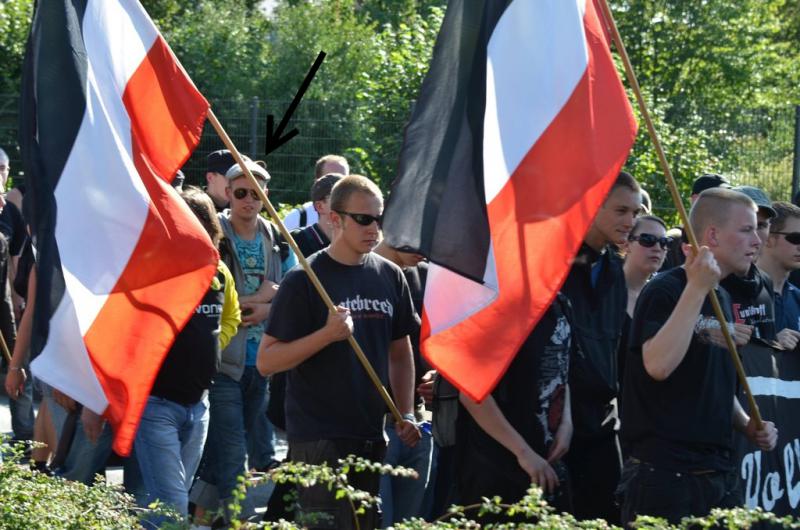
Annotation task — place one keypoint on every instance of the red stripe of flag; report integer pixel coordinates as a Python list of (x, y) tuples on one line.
[(173, 262)]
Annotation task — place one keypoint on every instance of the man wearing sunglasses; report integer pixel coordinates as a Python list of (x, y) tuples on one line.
[(596, 288), (679, 404), (752, 296), (332, 408), (258, 257), (779, 258)]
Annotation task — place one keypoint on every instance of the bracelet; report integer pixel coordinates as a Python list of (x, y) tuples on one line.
[(15, 369), (410, 417)]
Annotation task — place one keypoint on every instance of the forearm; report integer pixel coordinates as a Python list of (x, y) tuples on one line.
[(566, 416), (276, 356), (23, 343), (667, 348), (490, 418), (401, 374), (265, 294), (740, 417)]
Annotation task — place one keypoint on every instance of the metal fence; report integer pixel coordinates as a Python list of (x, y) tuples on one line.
[(758, 148)]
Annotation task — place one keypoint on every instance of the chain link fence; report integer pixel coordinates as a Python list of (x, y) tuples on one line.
[(759, 148)]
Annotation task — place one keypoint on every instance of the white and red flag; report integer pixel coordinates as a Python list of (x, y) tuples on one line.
[(520, 129), (108, 116)]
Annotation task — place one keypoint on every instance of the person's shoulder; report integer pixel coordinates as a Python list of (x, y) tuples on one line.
[(792, 289), (668, 281), (382, 264), (222, 268)]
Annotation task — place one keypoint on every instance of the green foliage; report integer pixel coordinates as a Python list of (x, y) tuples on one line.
[(222, 45), (404, 52), (15, 17), (32, 500), (714, 75)]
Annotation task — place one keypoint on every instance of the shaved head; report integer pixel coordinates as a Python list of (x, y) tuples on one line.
[(712, 208)]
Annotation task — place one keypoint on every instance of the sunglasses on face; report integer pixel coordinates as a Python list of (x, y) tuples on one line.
[(649, 240), (241, 193), (362, 218), (791, 237)]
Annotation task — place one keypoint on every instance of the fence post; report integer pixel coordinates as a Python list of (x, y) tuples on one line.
[(253, 126), (796, 169)]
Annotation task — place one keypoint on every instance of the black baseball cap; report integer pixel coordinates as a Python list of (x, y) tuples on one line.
[(708, 181), (219, 161)]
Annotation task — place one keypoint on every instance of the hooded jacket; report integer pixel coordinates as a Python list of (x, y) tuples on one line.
[(753, 302), (233, 357)]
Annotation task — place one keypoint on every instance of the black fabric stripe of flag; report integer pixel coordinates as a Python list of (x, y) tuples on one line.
[(48, 128), (436, 206)]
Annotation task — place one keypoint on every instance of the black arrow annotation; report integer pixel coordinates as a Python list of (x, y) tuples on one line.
[(274, 136)]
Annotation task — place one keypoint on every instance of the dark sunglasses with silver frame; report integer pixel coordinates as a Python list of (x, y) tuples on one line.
[(649, 240), (241, 193), (363, 219), (791, 237)]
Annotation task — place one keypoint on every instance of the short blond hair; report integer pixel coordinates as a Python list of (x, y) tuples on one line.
[(712, 208), (349, 185), (319, 166)]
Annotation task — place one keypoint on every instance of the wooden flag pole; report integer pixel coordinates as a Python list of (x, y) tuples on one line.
[(311, 274), (4, 345), (676, 197)]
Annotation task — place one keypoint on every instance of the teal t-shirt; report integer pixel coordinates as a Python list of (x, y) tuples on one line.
[(251, 257)]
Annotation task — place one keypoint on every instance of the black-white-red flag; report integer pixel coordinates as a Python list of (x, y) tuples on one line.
[(108, 116), (520, 129)]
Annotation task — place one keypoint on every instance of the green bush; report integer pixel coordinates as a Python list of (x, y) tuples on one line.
[(31, 500)]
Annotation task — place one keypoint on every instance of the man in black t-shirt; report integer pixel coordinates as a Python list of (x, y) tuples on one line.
[(518, 434), (679, 406), (332, 407)]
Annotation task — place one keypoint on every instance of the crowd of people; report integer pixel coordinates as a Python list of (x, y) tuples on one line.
[(621, 402)]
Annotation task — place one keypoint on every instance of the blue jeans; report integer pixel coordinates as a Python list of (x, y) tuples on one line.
[(84, 459), (402, 497), (261, 438), (234, 407), (22, 412), (168, 447)]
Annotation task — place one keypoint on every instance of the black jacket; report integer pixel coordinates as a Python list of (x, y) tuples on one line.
[(599, 313), (753, 302)]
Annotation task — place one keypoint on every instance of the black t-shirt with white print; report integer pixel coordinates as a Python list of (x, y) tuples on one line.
[(684, 422), (330, 395), (530, 395)]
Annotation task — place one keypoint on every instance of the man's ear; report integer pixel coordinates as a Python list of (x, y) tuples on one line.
[(336, 219), (712, 237)]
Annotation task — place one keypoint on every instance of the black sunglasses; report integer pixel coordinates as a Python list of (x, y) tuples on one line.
[(791, 237), (649, 240), (241, 193), (362, 218)]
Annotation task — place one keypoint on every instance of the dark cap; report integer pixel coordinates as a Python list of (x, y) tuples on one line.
[(708, 181), (322, 186), (760, 198), (219, 161)]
